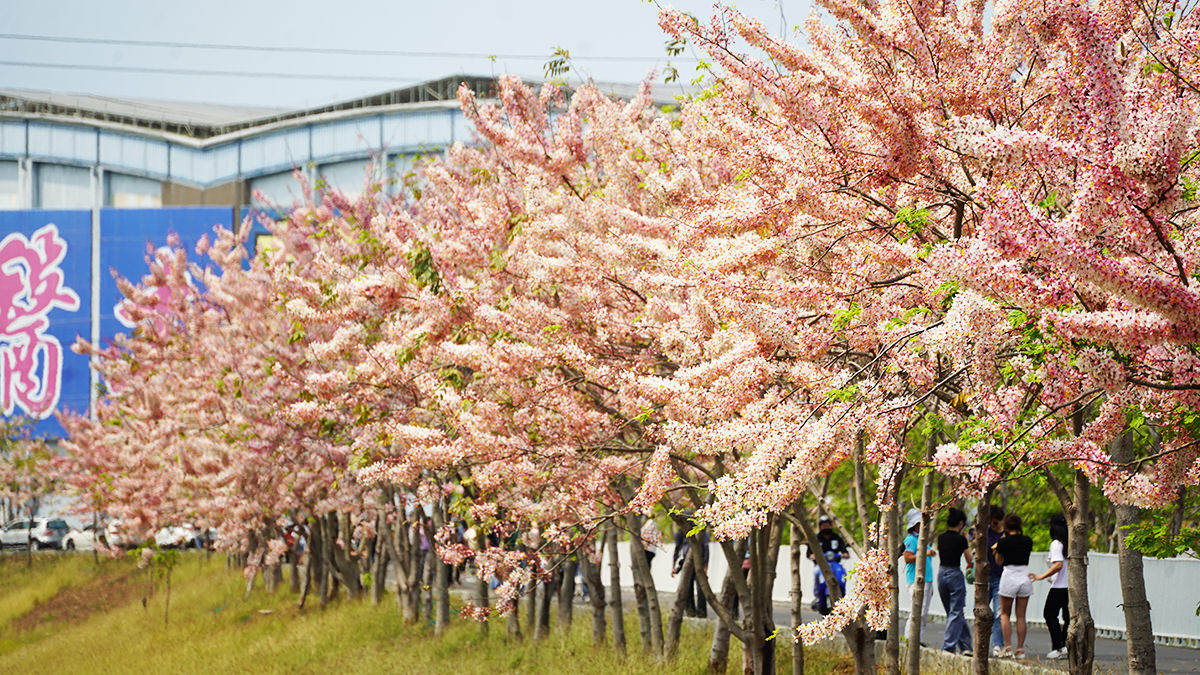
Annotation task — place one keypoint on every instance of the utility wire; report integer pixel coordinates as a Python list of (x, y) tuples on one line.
[(317, 50), (221, 73)]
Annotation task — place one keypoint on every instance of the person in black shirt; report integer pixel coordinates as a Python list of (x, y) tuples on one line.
[(1015, 585), (952, 585)]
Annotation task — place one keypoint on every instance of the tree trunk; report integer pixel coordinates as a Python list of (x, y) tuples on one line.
[(514, 622), (595, 588), (441, 581), (531, 612), (797, 598), (643, 579), (984, 617), (718, 654), (379, 562), (566, 594), (675, 620), (1081, 632), (1139, 642), (316, 559), (894, 545), (481, 582), (919, 590), (614, 603), (542, 623)]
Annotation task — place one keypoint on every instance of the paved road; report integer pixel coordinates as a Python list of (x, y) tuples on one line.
[(1110, 654)]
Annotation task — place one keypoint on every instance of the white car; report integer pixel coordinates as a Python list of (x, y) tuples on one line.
[(114, 535), (37, 534), (80, 539)]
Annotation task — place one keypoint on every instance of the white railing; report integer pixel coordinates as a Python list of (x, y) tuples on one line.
[(1172, 587)]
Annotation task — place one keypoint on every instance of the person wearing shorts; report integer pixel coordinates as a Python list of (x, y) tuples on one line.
[(1013, 552)]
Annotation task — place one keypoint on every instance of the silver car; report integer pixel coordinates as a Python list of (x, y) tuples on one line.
[(38, 533)]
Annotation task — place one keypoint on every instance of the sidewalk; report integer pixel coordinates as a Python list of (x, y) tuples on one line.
[(1110, 654)]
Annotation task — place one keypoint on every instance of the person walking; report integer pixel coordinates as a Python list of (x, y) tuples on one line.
[(952, 584), (1016, 586), (833, 549), (1056, 598), (994, 534), (911, 542)]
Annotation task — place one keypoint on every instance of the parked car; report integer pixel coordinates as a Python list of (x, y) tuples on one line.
[(114, 535), (38, 533), (178, 536), (80, 539)]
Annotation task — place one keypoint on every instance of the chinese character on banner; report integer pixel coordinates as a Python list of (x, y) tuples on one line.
[(31, 285), (161, 310)]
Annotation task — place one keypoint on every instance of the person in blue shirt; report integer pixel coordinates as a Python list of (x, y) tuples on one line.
[(911, 541)]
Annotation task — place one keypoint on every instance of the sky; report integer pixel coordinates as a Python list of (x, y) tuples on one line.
[(521, 34)]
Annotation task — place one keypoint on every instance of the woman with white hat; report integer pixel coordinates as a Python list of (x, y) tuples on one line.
[(911, 542)]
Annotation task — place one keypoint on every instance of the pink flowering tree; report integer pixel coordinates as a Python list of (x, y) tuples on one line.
[(929, 210)]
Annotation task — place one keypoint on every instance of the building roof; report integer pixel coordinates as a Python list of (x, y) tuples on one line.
[(207, 120), (174, 115)]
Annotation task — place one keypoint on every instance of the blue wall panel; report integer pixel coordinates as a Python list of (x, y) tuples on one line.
[(45, 303)]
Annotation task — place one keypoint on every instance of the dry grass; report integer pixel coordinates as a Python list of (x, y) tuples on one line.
[(213, 629)]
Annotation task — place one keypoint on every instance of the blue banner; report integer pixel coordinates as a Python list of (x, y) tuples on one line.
[(129, 236), (45, 303)]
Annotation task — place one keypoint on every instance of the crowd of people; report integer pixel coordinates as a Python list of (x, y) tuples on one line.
[(1010, 582)]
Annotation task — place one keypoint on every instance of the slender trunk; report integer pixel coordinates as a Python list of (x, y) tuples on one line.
[(441, 582), (293, 563), (1139, 642), (595, 590), (718, 654), (1081, 632), (514, 622), (919, 589), (344, 563), (860, 489), (984, 617), (675, 620), (481, 582), (859, 635), (566, 594), (894, 545), (797, 597), (542, 624), (532, 599), (316, 559), (306, 580), (379, 561), (398, 544), (1180, 505), (614, 603), (645, 580)]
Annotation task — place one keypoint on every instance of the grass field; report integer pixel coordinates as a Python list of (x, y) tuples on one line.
[(69, 615)]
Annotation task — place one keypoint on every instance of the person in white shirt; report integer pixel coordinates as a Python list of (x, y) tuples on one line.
[(1056, 599)]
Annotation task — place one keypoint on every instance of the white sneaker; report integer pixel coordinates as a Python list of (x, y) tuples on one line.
[(1062, 653), (1052, 654)]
